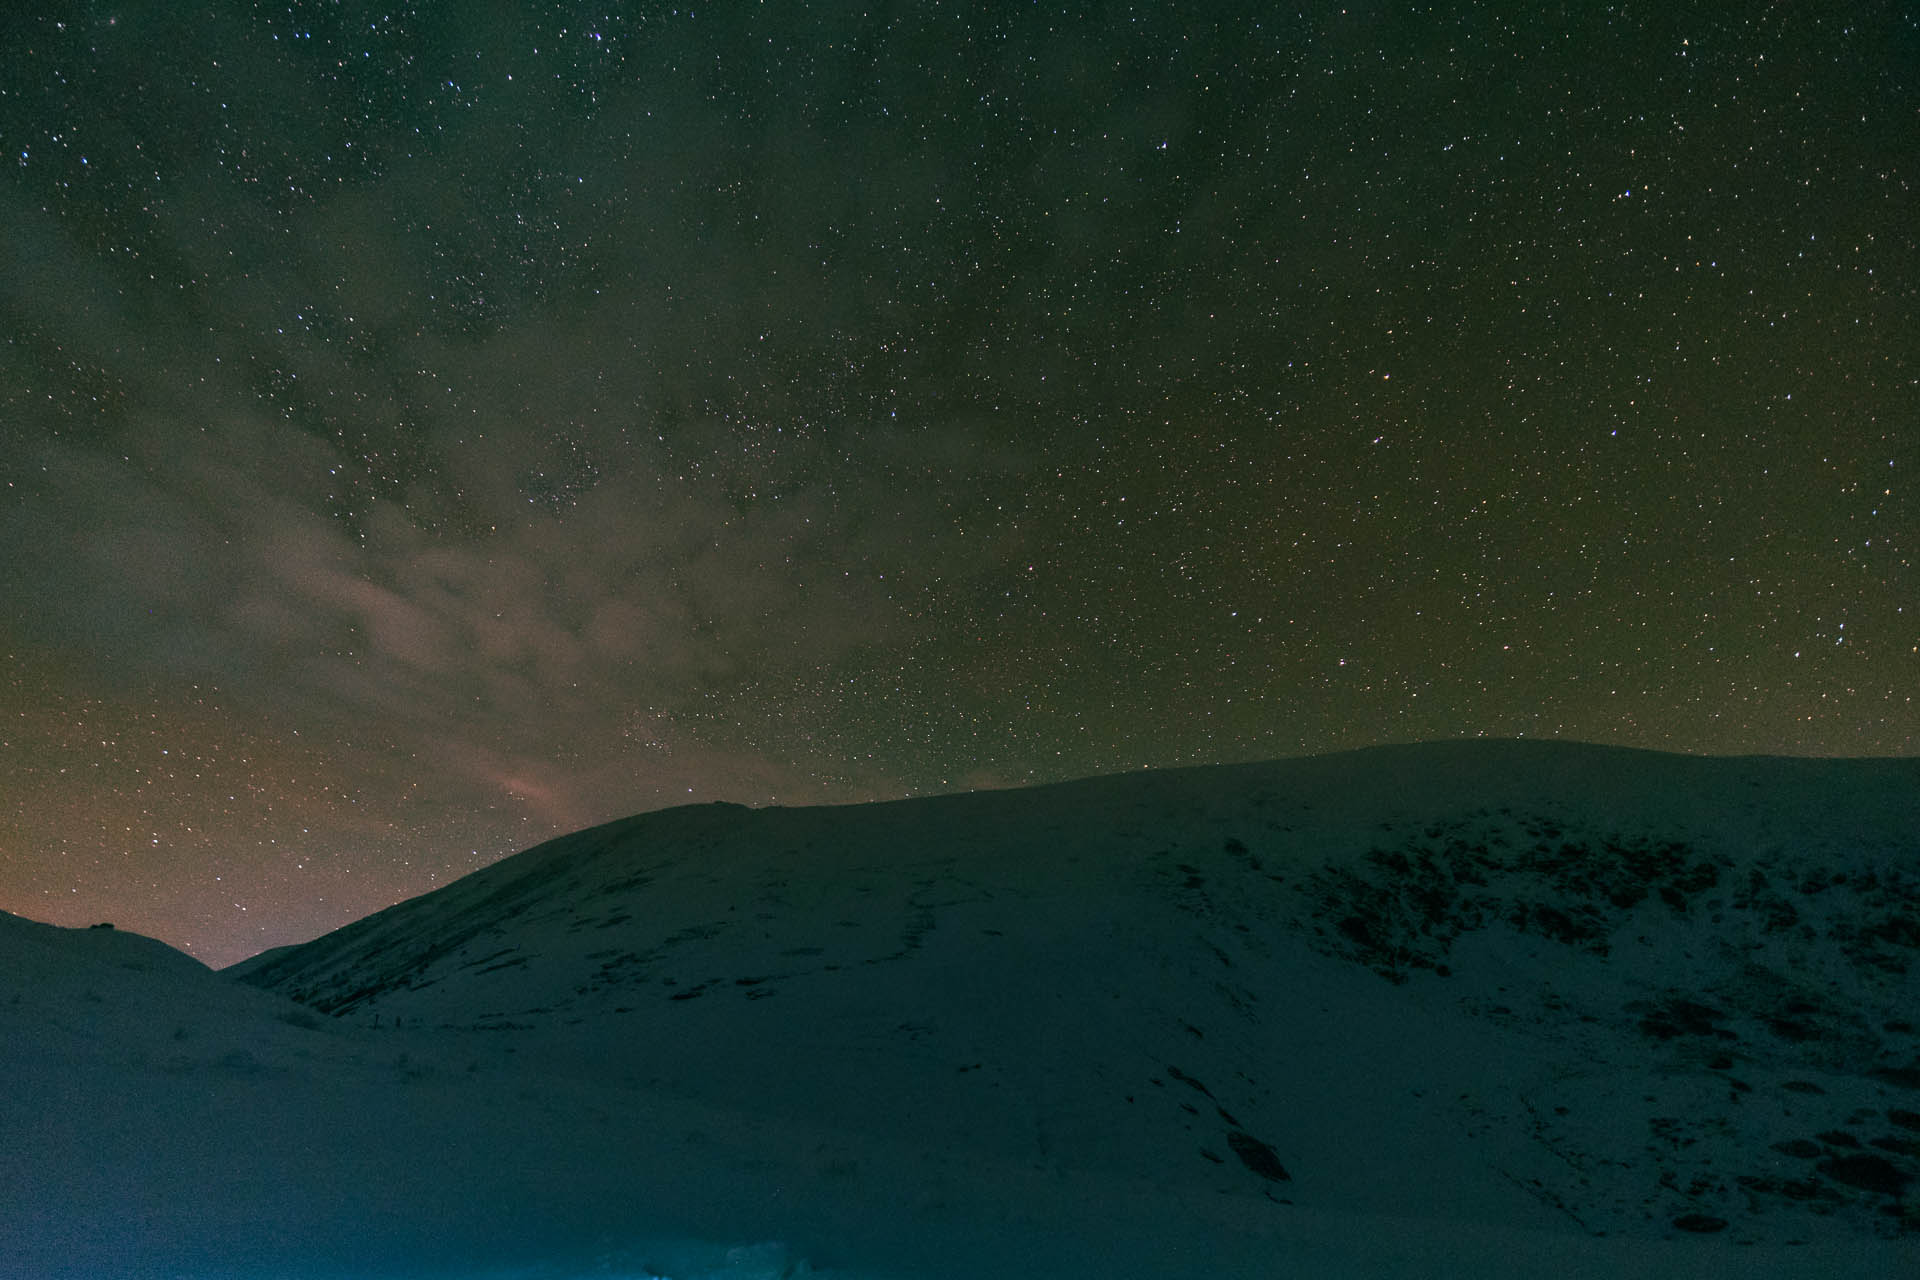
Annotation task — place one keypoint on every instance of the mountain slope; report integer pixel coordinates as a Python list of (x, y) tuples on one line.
[(160, 1121), (1536, 986)]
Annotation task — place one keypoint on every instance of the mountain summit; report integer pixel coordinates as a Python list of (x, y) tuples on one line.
[(1546, 986)]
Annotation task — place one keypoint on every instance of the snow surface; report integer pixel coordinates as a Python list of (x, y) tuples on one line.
[(1450, 1010)]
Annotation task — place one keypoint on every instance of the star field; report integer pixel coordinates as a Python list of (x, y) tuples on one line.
[(428, 431)]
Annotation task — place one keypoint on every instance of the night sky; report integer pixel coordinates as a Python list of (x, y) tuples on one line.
[(428, 429)]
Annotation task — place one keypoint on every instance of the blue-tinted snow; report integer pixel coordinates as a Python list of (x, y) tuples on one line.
[(1429, 1011)]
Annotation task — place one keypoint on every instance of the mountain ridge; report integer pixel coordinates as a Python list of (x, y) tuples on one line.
[(1170, 976)]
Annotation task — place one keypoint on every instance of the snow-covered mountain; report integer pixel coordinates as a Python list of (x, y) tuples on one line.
[(1420, 1011)]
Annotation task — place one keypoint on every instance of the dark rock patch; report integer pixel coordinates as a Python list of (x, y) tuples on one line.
[(1677, 1016), (1571, 928), (1257, 1156), (1805, 1190), (1400, 909), (1175, 1073), (1905, 1077), (1867, 1172), (1701, 1223), (1895, 931), (1793, 1030)]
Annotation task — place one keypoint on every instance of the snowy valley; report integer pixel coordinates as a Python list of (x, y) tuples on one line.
[(1440, 1010)]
